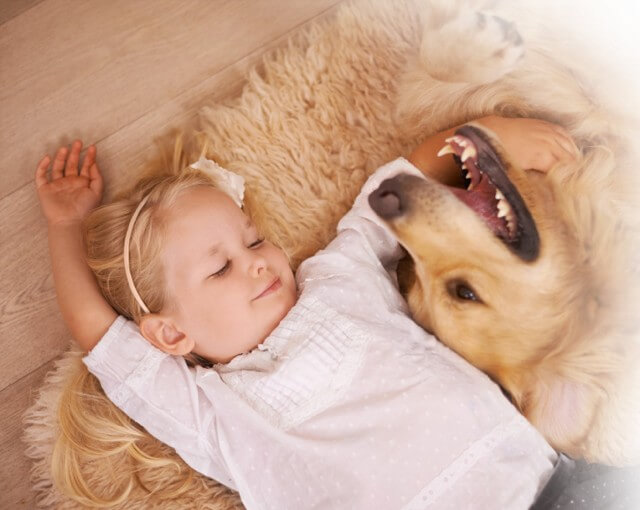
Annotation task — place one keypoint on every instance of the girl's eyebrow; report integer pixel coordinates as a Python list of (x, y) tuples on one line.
[(214, 248)]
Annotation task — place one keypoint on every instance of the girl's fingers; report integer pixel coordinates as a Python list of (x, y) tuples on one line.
[(563, 148), (570, 146), (547, 151), (545, 159), (564, 139), (95, 180), (58, 163), (563, 144), (74, 156), (89, 159), (41, 171)]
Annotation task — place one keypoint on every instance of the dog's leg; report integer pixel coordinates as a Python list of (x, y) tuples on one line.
[(461, 52), (469, 47)]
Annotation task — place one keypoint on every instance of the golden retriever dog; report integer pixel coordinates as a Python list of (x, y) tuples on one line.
[(530, 276)]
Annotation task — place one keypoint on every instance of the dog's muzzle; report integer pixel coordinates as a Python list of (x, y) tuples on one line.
[(389, 201)]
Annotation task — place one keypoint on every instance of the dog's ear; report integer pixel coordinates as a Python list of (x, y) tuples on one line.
[(562, 410)]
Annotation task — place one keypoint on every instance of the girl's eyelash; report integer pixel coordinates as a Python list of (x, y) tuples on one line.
[(223, 270), (226, 267)]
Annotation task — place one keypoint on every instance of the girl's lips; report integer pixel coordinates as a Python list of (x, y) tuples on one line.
[(274, 286)]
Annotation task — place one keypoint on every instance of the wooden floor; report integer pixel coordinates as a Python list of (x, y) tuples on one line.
[(115, 73)]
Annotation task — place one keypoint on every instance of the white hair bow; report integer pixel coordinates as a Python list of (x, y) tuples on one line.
[(228, 182)]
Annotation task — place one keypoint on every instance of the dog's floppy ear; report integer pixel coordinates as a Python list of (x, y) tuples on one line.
[(562, 410)]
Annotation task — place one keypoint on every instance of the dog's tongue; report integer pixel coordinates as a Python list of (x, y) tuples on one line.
[(482, 199)]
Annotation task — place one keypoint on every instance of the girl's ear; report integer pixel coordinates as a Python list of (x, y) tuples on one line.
[(162, 332)]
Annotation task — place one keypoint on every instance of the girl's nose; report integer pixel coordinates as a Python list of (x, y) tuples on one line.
[(257, 265)]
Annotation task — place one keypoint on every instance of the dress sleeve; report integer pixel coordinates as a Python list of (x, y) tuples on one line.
[(362, 237), (159, 391)]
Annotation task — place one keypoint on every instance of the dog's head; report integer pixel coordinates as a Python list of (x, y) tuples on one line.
[(483, 270), (513, 271)]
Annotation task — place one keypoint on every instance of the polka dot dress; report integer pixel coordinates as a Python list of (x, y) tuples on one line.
[(577, 485)]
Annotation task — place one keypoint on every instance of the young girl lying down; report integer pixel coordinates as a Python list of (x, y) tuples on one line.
[(313, 391)]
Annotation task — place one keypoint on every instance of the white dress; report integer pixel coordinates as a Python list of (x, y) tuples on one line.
[(348, 404)]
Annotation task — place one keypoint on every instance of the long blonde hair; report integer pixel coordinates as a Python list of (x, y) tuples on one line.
[(91, 427)]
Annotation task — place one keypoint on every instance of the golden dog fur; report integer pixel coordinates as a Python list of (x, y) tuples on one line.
[(559, 333)]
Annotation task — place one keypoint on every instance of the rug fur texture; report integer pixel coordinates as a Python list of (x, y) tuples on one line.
[(313, 121)]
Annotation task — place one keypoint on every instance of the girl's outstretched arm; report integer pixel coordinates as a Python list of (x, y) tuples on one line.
[(534, 144), (66, 197)]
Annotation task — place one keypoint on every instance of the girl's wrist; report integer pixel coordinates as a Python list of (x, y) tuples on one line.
[(64, 225)]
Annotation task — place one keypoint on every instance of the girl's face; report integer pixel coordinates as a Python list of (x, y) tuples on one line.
[(228, 288)]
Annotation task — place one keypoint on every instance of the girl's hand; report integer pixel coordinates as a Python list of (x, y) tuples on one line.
[(532, 143), (68, 195)]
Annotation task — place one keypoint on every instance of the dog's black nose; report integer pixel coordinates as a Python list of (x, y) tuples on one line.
[(387, 200)]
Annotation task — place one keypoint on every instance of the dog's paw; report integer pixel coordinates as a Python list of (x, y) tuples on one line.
[(472, 48)]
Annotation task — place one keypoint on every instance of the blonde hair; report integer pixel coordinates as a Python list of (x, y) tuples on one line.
[(91, 427), (105, 230)]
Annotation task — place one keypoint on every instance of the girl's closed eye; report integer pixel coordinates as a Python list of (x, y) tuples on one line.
[(222, 271), (255, 244)]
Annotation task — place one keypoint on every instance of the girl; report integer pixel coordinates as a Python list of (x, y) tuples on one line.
[(317, 391)]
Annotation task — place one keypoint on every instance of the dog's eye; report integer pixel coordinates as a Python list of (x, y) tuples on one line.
[(465, 293), (462, 290)]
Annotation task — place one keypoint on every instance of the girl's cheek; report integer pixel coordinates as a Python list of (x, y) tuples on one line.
[(282, 255)]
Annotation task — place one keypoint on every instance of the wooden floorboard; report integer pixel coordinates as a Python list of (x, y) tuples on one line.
[(10, 9), (85, 69), (15, 489)]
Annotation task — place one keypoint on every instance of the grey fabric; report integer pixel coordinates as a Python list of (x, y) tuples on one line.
[(578, 485)]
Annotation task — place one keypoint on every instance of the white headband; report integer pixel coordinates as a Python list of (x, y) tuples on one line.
[(228, 182)]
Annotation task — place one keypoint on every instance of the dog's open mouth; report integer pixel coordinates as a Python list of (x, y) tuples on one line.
[(490, 193)]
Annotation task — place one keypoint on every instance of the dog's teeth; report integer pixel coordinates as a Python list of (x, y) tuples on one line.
[(469, 152), (463, 142), (447, 149), (471, 185), (465, 173), (504, 208)]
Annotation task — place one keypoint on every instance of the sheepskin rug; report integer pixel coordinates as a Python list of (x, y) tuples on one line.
[(313, 121)]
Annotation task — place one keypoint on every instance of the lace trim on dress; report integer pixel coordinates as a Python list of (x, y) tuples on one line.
[(459, 467), (138, 377), (314, 355)]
